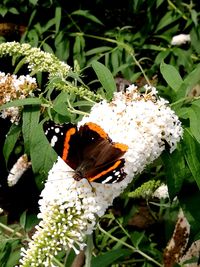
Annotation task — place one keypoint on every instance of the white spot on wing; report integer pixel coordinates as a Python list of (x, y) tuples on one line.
[(107, 179), (57, 130), (54, 140)]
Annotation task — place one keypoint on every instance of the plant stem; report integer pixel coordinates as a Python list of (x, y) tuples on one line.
[(128, 48), (57, 262), (130, 247), (88, 251), (177, 10), (73, 110), (10, 230)]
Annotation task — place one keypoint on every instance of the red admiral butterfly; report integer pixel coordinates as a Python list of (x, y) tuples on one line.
[(89, 151)]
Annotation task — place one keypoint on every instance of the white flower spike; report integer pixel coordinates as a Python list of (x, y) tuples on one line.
[(180, 39), (18, 170)]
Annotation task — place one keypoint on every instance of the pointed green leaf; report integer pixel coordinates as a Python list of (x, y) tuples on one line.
[(166, 20), (191, 153), (47, 48), (11, 140), (189, 82), (171, 76), (58, 18), (42, 154), (98, 50), (105, 77), (22, 102), (175, 171), (87, 15), (22, 219), (194, 115), (30, 117), (109, 257)]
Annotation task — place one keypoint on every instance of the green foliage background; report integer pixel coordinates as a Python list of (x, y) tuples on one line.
[(102, 41)]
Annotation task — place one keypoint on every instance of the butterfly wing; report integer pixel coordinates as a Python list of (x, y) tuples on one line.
[(64, 139), (101, 157)]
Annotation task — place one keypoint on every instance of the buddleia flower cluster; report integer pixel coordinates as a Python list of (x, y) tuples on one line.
[(12, 88), (18, 169), (37, 60), (69, 209)]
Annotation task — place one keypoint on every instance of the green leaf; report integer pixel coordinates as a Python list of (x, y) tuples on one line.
[(28, 221), (33, 37), (48, 25), (82, 103), (3, 11), (115, 60), (189, 82), (13, 260), (98, 50), (183, 112), (34, 2), (189, 202), (171, 76), (5, 250), (194, 16), (58, 16), (175, 171), (60, 104), (22, 102), (22, 219), (87, 15), (42, 154), (31, 221), (109, 257), (191, 153), (78, 50), (61, 108), (161, 56), (166, 20), (105, 77), (11, 140), (183, 58), (31, 17), (14, 11), (47, 48), (137, 237), (62, 46), (19, 65), (31, 116), (9, 252), (194, 34), (194, 116)]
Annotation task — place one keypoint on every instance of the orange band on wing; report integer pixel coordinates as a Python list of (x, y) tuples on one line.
[(122, 147), (113, 167), (68, 135), (96, 128)]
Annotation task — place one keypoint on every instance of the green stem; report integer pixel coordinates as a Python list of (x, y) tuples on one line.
[(88, 251), (130, 247), (177, 10), (10, 230), (125, 232), (75, 111), (179, 101), (89, 100), (57, 262), (127, 47)]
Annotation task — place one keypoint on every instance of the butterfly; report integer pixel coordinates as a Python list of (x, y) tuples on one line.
[(89, 151)]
